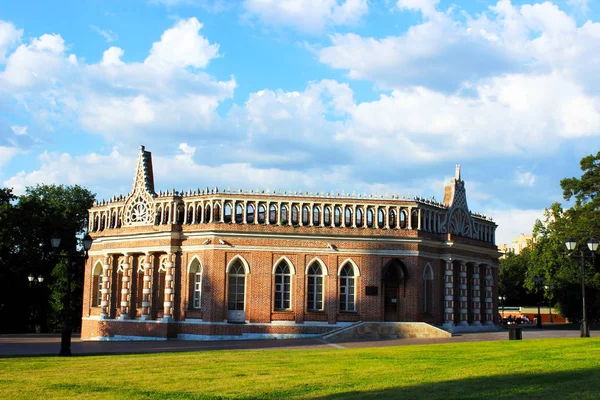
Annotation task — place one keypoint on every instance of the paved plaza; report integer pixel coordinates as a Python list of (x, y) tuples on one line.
[(40, 344)]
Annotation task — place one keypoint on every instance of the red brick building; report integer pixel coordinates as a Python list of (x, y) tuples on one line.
[(213, 263)]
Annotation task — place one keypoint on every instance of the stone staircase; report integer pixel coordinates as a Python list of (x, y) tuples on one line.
[(386, 330)]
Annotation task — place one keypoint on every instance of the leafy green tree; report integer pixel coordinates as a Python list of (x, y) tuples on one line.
[(512, 274), (550, 257), (31, 220)]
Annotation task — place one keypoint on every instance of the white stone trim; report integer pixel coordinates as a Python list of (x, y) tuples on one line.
[(284, 258)]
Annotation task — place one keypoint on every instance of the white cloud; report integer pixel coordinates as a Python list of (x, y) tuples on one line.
[(107, 34), (447, 49), (7, 153), (581, 5), (512, 222), (19, 130), (182, 46), (9, 37), (311, 16), (123, 101), (525, 178)]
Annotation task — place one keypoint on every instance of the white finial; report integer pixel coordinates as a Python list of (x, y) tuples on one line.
[(458, 172)]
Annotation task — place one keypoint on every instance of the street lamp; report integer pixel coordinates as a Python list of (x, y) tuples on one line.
[(538, 281), (549, 295), (592, 244), (65, 339), (502, 300)]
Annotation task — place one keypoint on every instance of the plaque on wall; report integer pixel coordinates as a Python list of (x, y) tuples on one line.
[(371, 290)]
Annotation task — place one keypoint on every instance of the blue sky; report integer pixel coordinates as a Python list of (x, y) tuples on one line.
[(354, 95)]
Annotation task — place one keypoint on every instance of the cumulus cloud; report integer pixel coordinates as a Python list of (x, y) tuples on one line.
[(513, 221), (118, 100), (448, 49), (9, 37), (309, 16)]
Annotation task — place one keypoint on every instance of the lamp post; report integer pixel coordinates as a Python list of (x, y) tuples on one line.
[(592, 245), (549, 295), (34, 282), (502, 300), (538, 281), (86, 242)]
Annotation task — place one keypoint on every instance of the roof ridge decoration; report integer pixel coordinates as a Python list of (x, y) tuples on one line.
[(139, 206), (458, 219)]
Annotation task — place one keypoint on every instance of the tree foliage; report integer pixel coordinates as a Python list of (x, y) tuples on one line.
[(27, 223), (550, 257)]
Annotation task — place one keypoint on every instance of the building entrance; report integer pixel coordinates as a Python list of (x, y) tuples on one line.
[(393, 280)]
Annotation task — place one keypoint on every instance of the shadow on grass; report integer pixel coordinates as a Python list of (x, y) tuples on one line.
[(580, 384)]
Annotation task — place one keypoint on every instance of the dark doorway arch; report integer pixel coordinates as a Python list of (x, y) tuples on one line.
[(394, 277)]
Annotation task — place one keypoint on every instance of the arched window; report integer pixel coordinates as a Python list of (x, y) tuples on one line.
[(97, 285), (180, 214), (392, 218), (250, 213), (414, 220), (380, 218), (157, 219), (370, 222), (190, 215), (337, 216), (294, 215), (198, 214), (272, 214), (239, 213), (166, 215), (347, 286), (217, 217), (227, 213), (195, 279), (316, 216), (327, 216), (403, 219), (348, 217), (427, 289), (359, 217), (236, 287), (261, 214), (305, 213), (207, 214), (283, 283), (315, 287), (283, 215)]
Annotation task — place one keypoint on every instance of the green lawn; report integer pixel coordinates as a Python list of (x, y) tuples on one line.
[(537, 369)]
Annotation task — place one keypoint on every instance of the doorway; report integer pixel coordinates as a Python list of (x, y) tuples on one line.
[(393, 289)]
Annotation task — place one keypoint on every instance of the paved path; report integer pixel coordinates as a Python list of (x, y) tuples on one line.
[(39, 344)]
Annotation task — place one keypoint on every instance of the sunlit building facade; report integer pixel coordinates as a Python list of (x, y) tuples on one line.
[(216, 263)]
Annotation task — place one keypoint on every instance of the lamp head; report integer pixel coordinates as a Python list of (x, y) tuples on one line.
[(570, 243), (87, 242), (30, 277), (40, 278), (593, 244), (55, 240)]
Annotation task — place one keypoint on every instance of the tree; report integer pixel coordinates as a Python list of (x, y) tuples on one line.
[(550, 256), (511, 275), (32, 219)]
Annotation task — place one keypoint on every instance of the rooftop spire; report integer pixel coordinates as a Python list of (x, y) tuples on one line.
[(144, 176), (458, 172)]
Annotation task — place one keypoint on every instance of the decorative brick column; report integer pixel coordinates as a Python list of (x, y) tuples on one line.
[(449, 296), (463, 294), (476, 300), (489, 316), (147, 291), (125, 288), (169, 288), (105, 287)]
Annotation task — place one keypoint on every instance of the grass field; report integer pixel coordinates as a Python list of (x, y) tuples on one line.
[(536, 369)]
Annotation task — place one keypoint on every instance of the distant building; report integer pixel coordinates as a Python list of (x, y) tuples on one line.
[(219, 263), (517, 245)]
